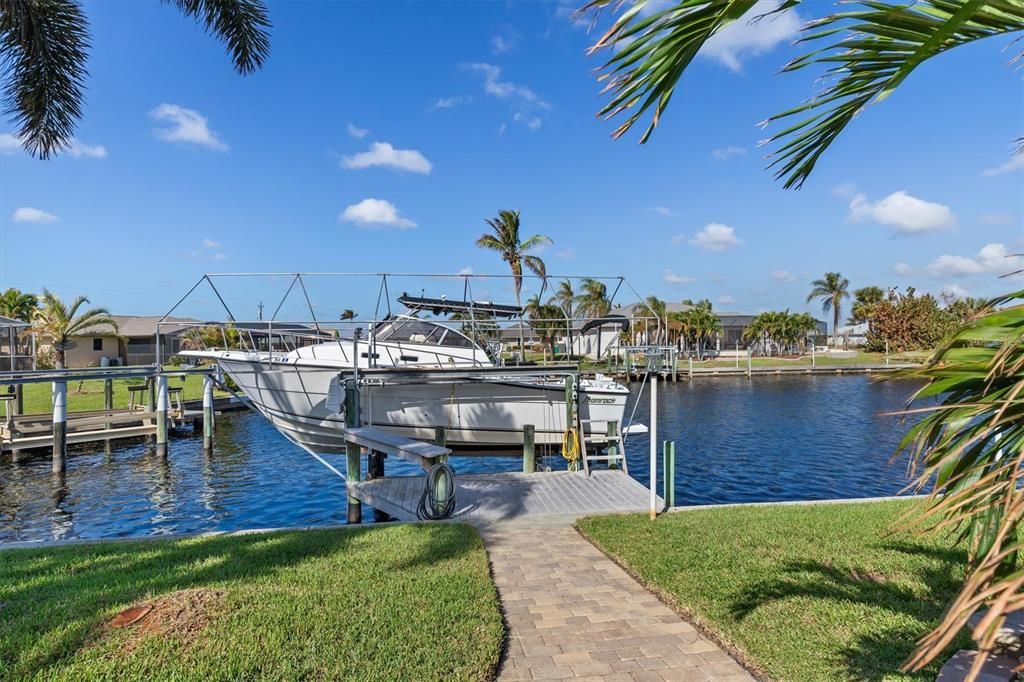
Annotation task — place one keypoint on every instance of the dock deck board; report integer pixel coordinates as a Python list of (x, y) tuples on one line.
[(489, 498)]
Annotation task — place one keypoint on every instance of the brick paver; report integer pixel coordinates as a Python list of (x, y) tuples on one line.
[(574, 614)]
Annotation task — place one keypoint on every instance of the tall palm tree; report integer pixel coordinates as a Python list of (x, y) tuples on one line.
[(564, 298), (45, 44), (864, 301), (61, 322), (18, 305), (873, 47), (831, 289), (658, 307), (513, 250), (592, 301), (546, 319)]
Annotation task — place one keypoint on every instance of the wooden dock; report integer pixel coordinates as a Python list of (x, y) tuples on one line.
[(489, 498)]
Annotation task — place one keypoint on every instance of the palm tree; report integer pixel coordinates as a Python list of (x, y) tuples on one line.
[(61, 322), (592, 301), (864, 301), (564, 298), (513, 251), (46, 45), (658, 308), (546, 319), (18, 305), (865, 60), (831, 289), (967, 453)]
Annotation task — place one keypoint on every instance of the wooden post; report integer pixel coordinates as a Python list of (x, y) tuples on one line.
[(628, 364), (529, 453), (690, 358), (108, 398), (208, 417), (375, 470), (60, 425), (353, 470), (570, 418), (750, 362), (675, 362), (441, 439), (19, 399), (654, 446), (613, 450), (161, 415)]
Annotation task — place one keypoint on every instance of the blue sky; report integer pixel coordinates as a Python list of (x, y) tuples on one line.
[(380, 135)]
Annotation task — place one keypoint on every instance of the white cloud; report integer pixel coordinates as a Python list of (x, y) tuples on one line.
[(992, 259), (185, 125), (726, 299), (998, 219), (783, 276), (749, 36), (501, 129), (663, 210), (531, 122), (220, 256), (383, 154), (1015, 163), (954, 291), (211, 244), (375, 212), (845, 191), (465, 271), (902, 212), (903, 269), (501, 44), (78, 149), (716, 237), (566, 253), (493, 85), (726, 153), (356, 132), (11, 144), (673, 278), (450, 102), (27, 214)]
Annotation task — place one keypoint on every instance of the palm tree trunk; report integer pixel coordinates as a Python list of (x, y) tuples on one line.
[(835, 326)]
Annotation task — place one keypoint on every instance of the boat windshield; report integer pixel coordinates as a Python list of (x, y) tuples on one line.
[(413, 330)]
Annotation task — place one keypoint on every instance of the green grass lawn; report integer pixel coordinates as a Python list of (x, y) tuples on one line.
[(403, 602), (88, 395), (806, 593)]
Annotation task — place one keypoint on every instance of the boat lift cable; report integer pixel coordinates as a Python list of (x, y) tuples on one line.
[(438, 498), (636, 403)]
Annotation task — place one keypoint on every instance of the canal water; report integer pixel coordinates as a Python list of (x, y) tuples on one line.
[(737, 440)]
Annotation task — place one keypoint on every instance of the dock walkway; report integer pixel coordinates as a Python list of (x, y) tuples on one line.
[(490, 498), (574, 614)]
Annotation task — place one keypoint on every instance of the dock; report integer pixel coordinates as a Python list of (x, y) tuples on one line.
[(490, 498)]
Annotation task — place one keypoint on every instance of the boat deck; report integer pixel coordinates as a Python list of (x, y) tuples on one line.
[(489, 498)]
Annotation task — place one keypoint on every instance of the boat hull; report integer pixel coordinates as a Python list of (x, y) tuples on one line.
[(487, 414)]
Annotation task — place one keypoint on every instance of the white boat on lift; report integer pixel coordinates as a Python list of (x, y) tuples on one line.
[(415, 375)]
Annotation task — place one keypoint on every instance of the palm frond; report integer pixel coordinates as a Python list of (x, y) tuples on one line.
[(43, 48), (535, 241), (536, 265), (879, 45), (241, 24), (969, 450)]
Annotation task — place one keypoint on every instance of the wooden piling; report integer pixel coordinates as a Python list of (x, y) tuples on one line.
[(208, 417), (108, 399), (571, 419), (353, 470), (529, 452), (19, 398), (675, 362), (441, 439), (162, 403), (60, 425)]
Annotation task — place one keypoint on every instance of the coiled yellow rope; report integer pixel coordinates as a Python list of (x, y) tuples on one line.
[(571, 447)]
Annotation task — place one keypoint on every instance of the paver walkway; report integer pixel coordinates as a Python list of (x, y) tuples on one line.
[(574, 614)]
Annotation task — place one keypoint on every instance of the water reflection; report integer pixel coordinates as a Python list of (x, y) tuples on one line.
[(737, 440)]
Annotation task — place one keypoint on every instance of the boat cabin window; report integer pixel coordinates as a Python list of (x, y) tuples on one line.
[(412, 330)]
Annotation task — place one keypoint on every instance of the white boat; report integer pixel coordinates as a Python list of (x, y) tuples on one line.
[(416, 375)]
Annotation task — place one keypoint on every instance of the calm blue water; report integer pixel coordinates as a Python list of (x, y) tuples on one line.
[(737, 440)]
